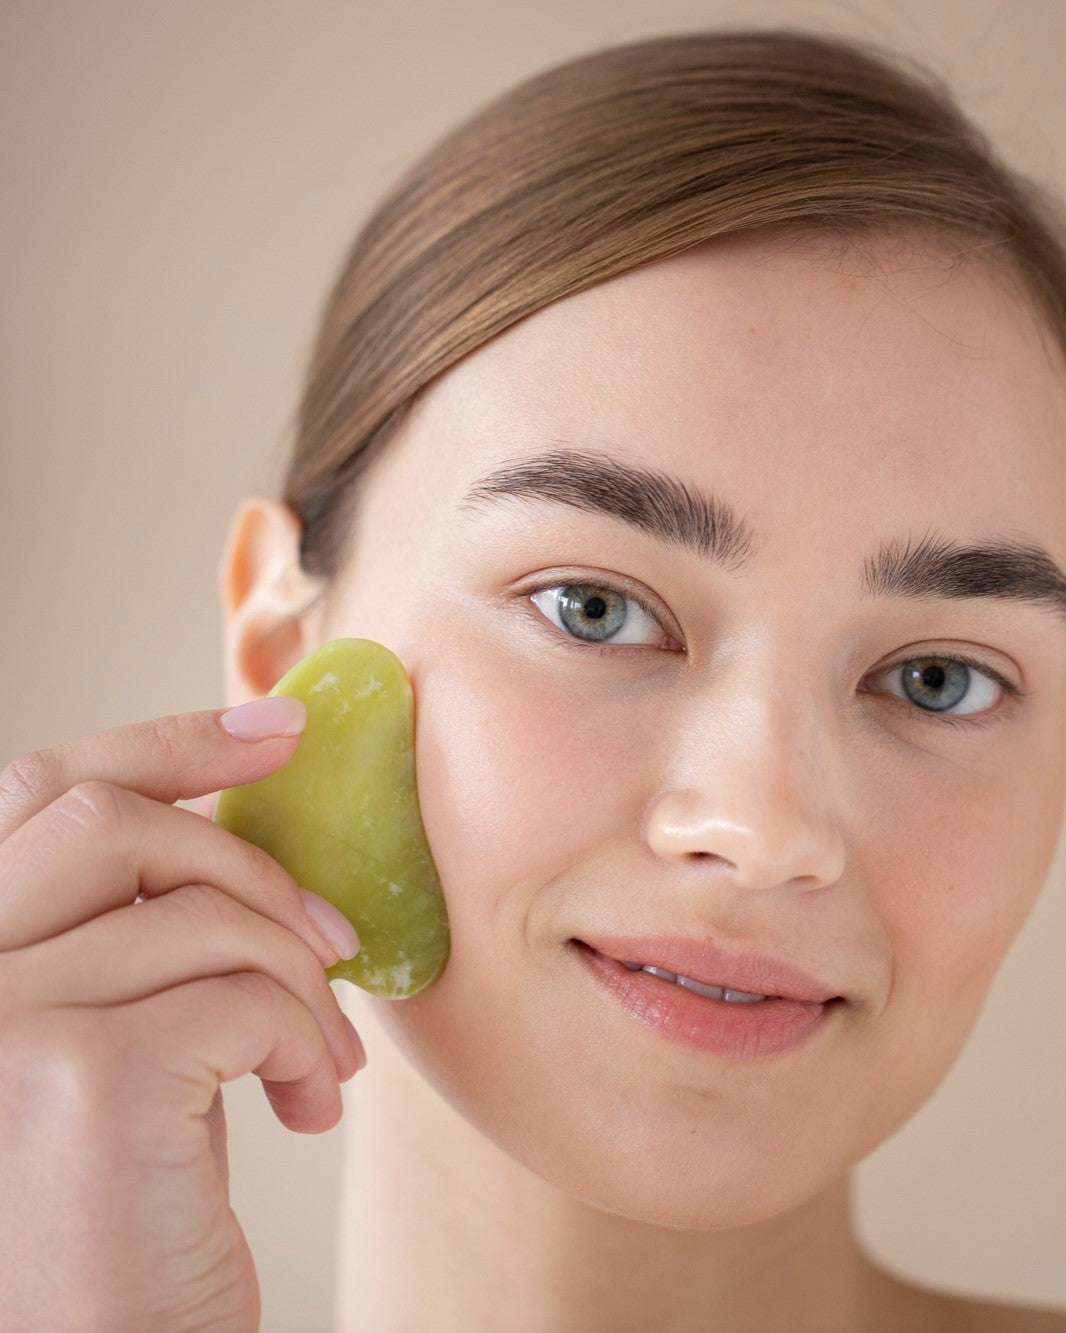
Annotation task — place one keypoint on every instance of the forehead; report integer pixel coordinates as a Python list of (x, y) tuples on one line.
[(888, 376)]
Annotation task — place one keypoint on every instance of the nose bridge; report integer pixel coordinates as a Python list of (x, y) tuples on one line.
[(750, 777)]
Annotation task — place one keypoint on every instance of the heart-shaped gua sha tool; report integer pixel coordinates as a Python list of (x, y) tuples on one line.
[(342, 815)]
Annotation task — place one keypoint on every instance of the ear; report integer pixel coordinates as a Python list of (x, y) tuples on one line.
[(268, 622)]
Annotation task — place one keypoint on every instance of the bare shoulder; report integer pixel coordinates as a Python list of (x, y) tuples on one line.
[(966, 1315)]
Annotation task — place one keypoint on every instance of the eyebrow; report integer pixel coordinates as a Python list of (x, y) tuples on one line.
[(676, 514)]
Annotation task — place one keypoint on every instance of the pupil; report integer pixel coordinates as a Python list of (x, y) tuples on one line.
[(934, 676), (595, 608)]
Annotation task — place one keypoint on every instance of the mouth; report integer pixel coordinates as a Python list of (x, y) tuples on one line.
[(711, 1016), (704, 968)]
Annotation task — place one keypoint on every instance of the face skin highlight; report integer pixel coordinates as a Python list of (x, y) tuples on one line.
[(747, 766)]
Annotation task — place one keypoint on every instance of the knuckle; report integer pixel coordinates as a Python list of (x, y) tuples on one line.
[(209, 908), (263, 869), (26, 780), (92, 804), (163, 734), (264, 992), (268, 875)]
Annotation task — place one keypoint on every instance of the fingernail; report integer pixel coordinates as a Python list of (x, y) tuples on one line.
[(277, 715), (357, 1045), (332, 924)]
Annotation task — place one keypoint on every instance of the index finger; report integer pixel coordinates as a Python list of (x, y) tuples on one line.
[(168, 759)]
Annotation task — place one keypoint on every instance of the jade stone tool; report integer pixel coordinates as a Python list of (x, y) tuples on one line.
[(342, 815)]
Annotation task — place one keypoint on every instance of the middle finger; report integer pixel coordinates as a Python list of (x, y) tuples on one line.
[(190, 933), (98, 846)]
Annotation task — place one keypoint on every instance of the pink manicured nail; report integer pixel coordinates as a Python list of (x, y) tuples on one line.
[(330, 923), (278, 715)]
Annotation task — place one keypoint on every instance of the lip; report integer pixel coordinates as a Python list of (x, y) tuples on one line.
[(752, 1031), (702, 960)]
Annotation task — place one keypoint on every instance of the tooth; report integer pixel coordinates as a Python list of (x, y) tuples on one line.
[(712, 992)]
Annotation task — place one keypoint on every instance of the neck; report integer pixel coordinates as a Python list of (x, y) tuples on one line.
[(435, 1217)]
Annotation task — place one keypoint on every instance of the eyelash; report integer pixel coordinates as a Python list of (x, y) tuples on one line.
[(928, 715)]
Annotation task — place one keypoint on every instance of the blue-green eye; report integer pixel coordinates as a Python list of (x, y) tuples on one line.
[(941, 684), (599, 614), (594, 613)]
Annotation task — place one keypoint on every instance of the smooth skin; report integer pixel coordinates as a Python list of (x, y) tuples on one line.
[(523, 1153), (524, 1156)]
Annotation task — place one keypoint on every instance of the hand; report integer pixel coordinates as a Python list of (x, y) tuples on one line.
[(146, 957)]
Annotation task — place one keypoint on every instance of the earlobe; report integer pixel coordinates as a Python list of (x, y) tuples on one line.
[(268, 623)]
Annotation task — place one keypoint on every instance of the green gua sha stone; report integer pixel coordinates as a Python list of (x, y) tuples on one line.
[(342, 815)]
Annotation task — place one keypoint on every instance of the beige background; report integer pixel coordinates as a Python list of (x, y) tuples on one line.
[(179, 181)]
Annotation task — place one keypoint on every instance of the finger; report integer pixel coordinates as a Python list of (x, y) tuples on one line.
[(98, 846), (194, 1037), (169, 759), (193, 932)]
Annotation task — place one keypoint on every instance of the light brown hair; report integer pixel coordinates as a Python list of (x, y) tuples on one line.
[(619, 158)]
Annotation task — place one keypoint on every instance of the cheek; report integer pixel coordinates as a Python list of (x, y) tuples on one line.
[(521, 777), (960, 863), (529, 786), (950, 876)]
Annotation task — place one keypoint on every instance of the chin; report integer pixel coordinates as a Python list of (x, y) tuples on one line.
[(692, 1176), (713, 1191)]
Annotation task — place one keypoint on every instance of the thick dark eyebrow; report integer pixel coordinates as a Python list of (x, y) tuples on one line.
[(674, 513)]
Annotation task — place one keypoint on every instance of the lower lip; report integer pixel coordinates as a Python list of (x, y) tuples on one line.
[(736, 1031)]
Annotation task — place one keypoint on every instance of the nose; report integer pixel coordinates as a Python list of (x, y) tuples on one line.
[(751, 793)]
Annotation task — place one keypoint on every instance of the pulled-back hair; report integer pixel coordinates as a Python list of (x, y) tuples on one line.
[(619, 158)]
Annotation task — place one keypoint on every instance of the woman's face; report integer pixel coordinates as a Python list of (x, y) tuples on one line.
[(763, 757)]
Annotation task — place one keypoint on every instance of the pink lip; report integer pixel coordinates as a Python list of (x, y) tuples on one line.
[(701, 960), (752, 1031)]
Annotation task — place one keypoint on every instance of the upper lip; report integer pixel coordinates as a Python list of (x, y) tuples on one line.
[(700, 960)]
